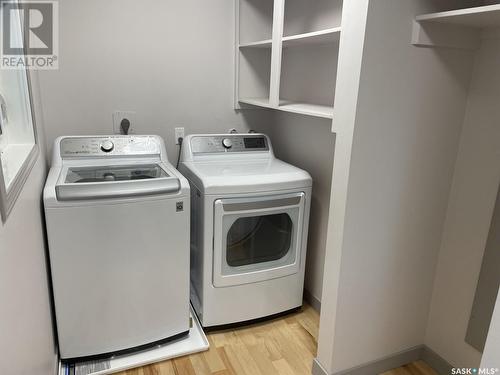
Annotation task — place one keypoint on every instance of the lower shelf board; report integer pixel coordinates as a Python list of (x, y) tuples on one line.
[(258, 102), (307, 109), (315, 37), (292, 106)]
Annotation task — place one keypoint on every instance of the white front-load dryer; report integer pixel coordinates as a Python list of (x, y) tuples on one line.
[(117, 217), (249, 224)]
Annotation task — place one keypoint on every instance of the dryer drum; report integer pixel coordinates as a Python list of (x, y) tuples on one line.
[(252, 240)]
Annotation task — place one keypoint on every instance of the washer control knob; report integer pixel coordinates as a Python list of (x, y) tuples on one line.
[(227, 143), (107, 146)]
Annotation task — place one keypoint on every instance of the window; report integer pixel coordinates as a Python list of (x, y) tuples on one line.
[(18, 149)]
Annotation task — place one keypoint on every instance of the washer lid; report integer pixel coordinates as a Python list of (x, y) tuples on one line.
[(245, 176), (76, 175), (116, 181)]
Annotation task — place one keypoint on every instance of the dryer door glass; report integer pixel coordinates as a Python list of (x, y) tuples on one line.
[(258, 239)]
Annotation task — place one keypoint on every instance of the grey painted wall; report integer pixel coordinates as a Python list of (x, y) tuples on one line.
[(490, 357), (474, 190), (26, 336), (308, 143), (170, 61), (487, 286)]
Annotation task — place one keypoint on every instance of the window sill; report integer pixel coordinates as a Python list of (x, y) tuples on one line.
[(13, 158), (21, 158)]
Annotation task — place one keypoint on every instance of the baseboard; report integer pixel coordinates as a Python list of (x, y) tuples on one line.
[(317, 369), (312, 300), (390, 362), (378, 366), (438, 363), (56, 363)]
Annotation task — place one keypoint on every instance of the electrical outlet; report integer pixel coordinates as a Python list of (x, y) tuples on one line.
[(179, 133), (118, 116)]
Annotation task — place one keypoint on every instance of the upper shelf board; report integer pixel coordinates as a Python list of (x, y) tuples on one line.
[(316, 37), (455, 29), (478, 17), (259, 44)]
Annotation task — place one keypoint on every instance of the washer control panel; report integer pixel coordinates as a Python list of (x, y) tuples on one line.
[(74, 147), (228, 143)]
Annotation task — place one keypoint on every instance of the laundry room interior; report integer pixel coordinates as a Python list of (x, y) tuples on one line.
[(250, 187)]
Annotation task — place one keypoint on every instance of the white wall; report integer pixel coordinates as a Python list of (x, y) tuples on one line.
[(308, 143), (347, 89), (491, 357), (26, 341), (471, 205), (170, 61), (410, 109)]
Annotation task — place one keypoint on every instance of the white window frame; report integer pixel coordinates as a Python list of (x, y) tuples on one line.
[(8, 196)]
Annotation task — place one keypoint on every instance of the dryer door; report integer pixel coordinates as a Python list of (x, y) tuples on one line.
[(257, 238)]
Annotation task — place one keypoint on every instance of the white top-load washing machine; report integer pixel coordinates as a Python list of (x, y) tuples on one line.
[(117, 216), (249, 223)]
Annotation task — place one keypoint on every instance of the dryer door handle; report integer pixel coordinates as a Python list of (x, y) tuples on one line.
[(262, 204)]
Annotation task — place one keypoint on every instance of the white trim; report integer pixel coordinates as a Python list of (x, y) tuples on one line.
[(276, 52)]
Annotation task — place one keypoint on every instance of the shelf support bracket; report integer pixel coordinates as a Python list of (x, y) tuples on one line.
[(427, 34)]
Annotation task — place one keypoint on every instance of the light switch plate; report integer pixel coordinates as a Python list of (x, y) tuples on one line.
[(118, 116)]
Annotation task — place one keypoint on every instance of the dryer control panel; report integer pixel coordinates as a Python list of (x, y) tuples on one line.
[(74, 147), (228, 143)]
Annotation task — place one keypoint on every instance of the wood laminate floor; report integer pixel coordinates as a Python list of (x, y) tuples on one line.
[(282, 346)]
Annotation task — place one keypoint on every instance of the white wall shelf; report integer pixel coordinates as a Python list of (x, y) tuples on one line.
[(268, 74), (456, 28), (253, 72), (308, 109), (309, 16), (258, 102), (254, 20), (477, 17), (316, 37), (308, 75)]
